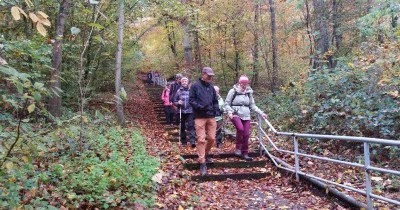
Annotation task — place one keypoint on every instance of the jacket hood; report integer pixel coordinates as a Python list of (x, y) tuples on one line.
[(248, 89)]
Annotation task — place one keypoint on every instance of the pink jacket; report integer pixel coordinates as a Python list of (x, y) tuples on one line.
[(165, 97)]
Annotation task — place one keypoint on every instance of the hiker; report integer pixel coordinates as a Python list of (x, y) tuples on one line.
[(204, 102), (149, 78), (169, 113), (157, 77), (238, 104), (219, 119), (175, 87), (181, 100)]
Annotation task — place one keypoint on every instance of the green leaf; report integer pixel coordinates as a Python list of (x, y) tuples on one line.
[(123, 94), (37, 96), (20, 88), (31, 108), (13, 72), (96, 25), (38, 85), (99, 39), (75, 30), (99, 115)]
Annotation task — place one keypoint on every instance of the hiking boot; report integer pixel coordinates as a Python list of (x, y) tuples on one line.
[(203, 169), (238, 153), (193, 144), (247, 157)]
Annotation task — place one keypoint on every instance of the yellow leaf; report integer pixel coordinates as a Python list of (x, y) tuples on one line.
[(180, 207), (33, 17), (31, 108), (41, 29), (29, 3), (327, 190), (45, 22), (9, 165), (351, 65), (22, 12), (25, 159), (15, 13), (85, 119), (42, 14)]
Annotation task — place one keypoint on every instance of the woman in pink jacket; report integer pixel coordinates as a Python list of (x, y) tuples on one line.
[(169, 113)]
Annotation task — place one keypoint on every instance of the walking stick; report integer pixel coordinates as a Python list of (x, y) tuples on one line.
[(180, 123)]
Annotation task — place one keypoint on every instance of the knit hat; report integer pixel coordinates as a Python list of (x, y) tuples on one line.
[(243, 79)]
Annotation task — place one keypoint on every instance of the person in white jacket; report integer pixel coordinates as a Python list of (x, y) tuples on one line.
[(238, 104)]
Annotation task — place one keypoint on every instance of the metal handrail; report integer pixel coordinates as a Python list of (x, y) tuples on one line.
[(296, 168)]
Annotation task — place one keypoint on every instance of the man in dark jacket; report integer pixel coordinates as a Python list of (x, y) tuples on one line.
[(174, 88), (181, 100), (204, 101)]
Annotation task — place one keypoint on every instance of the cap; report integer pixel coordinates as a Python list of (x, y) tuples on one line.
[(243, 79), (184, 78), (208, 71)]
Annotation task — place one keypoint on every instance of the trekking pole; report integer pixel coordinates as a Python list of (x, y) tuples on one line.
[(180, 124)]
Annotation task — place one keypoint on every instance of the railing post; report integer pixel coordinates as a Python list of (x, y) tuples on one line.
[(260, 134), (368, 186), (296, 158)]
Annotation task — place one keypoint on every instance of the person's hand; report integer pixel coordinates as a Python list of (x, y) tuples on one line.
[(265, 116), (180, 102)]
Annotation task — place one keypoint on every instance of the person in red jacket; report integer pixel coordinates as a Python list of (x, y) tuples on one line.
[(169, 113)]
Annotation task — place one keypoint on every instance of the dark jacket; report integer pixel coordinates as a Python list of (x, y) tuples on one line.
[(204, 100), (174, 87), (183, 95)]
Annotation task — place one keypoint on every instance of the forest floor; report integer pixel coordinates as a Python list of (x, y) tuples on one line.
[(177, 191)]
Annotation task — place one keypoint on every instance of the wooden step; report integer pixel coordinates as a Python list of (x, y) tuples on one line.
[(223, 177), (235, 164), (221, 155)]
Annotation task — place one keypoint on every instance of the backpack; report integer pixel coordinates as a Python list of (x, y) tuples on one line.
[(234, 96)]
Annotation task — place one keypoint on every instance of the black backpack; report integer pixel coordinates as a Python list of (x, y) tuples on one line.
[(234, 96)]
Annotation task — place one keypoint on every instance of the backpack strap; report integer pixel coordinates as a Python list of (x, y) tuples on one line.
[(234, 96)]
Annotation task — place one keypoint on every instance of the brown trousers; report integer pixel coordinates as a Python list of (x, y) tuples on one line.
[(205, 134)]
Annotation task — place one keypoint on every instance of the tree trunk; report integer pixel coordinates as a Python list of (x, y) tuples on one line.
[(197, 50), (321, 14), (89, 51), (119, 105), (307, 16), (186, 45), (265, 51), (54, 106), (172, 41), (275, 78), (237, 54), (337, 36), (256, 62), (186, 41)]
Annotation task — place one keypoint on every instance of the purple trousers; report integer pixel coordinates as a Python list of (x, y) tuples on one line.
[(242, 134)]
